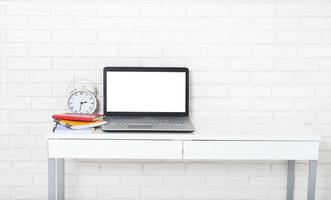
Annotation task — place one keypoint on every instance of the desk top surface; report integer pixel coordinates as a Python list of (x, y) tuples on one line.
[(210, 132)]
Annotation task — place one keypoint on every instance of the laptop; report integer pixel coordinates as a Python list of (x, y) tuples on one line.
[(146, 99)]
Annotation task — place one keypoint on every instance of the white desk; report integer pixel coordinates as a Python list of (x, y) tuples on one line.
[(268, 142)]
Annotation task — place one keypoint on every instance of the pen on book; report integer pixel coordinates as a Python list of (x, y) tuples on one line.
[(55, 127), (64, 124)]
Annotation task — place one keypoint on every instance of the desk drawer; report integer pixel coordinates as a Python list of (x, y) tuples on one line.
[(250, 150), (115, 149)]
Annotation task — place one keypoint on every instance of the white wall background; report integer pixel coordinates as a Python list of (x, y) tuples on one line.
[(251, 62)]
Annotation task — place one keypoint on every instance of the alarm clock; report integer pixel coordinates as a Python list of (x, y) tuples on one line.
[(82, 100)]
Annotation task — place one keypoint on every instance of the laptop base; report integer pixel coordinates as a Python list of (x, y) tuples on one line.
[(148, 124)]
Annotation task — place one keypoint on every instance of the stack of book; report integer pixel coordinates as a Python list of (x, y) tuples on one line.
[(77, 123)]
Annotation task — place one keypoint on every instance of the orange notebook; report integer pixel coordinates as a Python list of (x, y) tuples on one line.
[(79, 124)]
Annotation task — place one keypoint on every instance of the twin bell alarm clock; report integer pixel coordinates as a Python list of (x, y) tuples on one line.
[(82, 100)]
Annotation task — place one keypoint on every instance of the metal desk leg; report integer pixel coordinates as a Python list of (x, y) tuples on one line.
[(51, 179), (55, 179), (312, 179), (60, 178), (290, 180)]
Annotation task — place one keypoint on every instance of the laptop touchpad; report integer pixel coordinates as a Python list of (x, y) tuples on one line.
[(140, 126)]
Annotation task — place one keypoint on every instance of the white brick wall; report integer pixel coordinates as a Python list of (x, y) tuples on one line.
[(251, 62)]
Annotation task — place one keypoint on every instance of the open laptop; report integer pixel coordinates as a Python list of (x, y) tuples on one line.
[(148, 99)]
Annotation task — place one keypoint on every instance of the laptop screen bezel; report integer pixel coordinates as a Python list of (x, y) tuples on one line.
[(146, 69)]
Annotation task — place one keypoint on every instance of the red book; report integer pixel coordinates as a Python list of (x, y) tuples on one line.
[(78, 117)]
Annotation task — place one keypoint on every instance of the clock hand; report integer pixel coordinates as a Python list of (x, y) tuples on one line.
[(81, 103)]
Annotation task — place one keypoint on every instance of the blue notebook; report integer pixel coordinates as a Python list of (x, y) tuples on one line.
[(62, 129)]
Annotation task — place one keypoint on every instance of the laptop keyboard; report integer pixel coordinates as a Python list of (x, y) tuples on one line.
[(140, 121)]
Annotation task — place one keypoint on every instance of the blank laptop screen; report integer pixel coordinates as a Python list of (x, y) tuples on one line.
[(141, 91)]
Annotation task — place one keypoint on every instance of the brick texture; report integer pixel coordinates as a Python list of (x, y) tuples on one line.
[(263, 61)]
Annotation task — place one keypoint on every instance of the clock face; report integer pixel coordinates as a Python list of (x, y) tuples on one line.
[(82, 101)]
